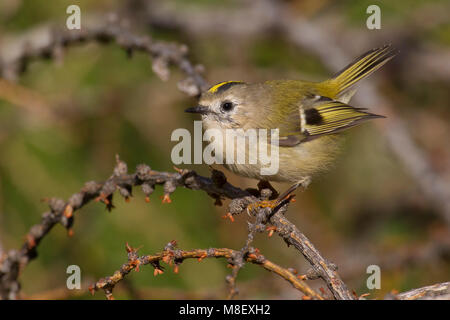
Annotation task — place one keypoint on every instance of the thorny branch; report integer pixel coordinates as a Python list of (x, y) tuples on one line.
[(50, 44), (174, 257), (62, 212), (438, 291)]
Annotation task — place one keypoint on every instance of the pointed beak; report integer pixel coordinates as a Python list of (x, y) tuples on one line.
[(198, 109)]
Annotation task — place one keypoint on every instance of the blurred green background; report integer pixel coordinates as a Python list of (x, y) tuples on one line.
[(80, 112)]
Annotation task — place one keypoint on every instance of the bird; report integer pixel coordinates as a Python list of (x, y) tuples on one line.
[(309, 117)]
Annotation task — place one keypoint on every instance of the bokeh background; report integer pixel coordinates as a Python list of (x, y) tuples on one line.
[(63, 122)]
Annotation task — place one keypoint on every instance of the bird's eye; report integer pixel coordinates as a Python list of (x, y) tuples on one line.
[(227, 106)]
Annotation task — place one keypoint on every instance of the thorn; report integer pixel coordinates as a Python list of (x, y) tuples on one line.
[(166, 198), (167, 258), (231, 266), (102, 198), (228, 216), (147, 199), (136, 264), (70, 232), (127, 199), (91, 289), (203, 256), (271, 230), (157, 271), (31, 242), (293, 199), (364, 295), (252, 256), (176, 269), (306, 298), (173, 243), (128, 248), (180, 171), (68, 211), (293, 271)]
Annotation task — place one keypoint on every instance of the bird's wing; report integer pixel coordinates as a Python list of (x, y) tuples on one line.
[(318, 116)]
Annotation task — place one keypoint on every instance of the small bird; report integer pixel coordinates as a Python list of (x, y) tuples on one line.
[(308, 115)]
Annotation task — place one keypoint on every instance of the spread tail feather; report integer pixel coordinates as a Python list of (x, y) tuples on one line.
[(360, 68)]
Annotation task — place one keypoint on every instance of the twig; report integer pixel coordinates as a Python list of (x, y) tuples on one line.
[(62, 212), (174, 257), (50, 45), (323, 268), (439, 291)]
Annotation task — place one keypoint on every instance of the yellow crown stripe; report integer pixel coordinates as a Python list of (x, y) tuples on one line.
[(217, 86)]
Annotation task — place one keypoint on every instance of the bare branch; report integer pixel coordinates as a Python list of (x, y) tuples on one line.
[(320, 266), (62, 212), (50, 45), (439, 291), (174, 257)]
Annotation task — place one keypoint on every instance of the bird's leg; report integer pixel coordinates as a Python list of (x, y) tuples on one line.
[(304, 183), (275, 200)]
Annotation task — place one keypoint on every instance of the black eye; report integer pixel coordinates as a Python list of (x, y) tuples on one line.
[(227, 106)]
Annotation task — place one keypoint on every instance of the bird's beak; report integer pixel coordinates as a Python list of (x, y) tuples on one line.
[(198, 109)]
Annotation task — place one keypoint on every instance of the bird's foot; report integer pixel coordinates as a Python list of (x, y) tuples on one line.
[(272, 204)]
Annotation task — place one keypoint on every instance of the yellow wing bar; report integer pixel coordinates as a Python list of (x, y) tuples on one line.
[(333, 117)]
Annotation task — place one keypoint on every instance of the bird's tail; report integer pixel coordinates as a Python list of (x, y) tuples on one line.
[(360, 68)]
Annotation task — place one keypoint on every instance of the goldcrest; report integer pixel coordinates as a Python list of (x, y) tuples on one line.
[(308, 115)]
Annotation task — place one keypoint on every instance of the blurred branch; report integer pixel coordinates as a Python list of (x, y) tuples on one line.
[(48, 44), (26, 98), (254, 18), (174, 257)]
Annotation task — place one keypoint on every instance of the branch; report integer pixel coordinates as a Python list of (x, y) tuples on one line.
[(62, 212), (439, 291), (49, 44), (174, 257), (320, 266)]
